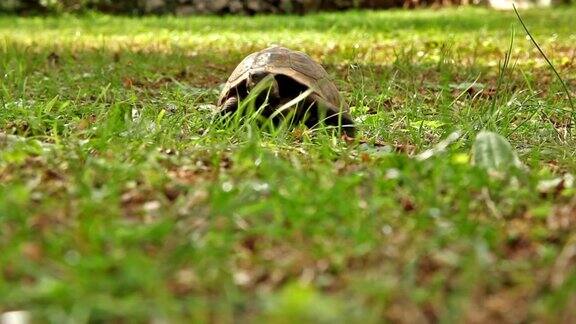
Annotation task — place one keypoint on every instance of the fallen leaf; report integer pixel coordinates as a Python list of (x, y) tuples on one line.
[(557, 185), (127, 83), (32, 251)]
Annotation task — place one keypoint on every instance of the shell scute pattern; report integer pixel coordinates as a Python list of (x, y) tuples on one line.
[(294, 64)]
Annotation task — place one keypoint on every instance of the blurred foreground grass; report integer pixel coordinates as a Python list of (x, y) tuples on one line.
[(121, 199)]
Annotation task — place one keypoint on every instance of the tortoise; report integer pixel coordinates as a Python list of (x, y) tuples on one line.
[(291, 74)]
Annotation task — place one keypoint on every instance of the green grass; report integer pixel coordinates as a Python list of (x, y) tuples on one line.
[(123, 199)]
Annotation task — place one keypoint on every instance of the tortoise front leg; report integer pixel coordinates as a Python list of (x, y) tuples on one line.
[(330, 114), (229, 106)]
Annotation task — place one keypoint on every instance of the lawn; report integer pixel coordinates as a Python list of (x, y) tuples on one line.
[(123, 198)]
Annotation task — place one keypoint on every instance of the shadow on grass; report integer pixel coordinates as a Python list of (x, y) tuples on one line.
[(454, 21)]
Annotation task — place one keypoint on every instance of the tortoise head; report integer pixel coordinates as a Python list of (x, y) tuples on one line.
[(264, 82)]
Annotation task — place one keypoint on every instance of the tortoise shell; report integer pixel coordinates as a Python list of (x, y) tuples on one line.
[(293, 64)]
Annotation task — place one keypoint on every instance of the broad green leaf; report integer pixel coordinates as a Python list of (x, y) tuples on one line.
[(493, 152)]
